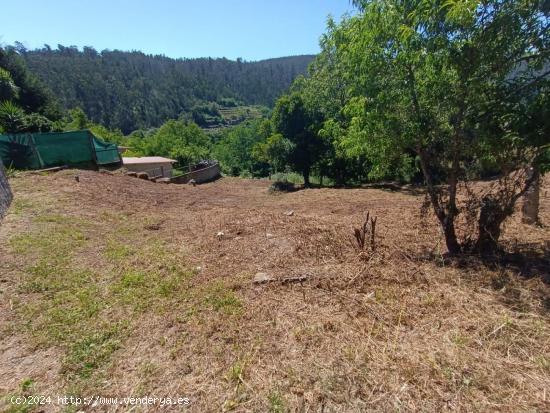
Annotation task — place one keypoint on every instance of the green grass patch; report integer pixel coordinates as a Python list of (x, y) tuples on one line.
[(236, 373), (220, 298), (57, 241), (86, 307), (276, 402), (91, 351), (59, 318), (52, 274), (21, 205), (55, 218), (27, 405), (298, 179)]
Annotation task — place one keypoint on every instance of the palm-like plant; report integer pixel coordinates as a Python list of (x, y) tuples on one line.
[(12, 117), (8, 89)]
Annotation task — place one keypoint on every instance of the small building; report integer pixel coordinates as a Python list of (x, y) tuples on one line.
[(155, 166)]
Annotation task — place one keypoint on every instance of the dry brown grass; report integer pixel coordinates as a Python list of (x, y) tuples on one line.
[(402, 328)]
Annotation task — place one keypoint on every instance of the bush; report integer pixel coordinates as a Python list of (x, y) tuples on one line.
[(282, 186)]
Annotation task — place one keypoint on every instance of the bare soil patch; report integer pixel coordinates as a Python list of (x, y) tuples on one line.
[(115, 286)]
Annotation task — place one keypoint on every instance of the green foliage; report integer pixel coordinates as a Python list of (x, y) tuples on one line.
[(276, 150), (114, 136), (234, 148), (297, 144), (8, 89), (176, 139), (14, 120), (229, 102), (132, 90), (206, 114), (21, 86), (423, 74), (79, 120), (25, 104), (12, 117)]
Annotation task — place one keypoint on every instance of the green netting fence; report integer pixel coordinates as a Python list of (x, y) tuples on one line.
[(45, 150)]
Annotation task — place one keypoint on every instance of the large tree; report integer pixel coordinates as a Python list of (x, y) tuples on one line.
[(447, 82), (297, 125)]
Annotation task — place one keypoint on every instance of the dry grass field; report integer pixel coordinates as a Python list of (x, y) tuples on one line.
[(114, 287)]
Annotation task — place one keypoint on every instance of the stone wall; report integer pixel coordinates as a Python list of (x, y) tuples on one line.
[(202, 175), (153, 169), (5, 191)]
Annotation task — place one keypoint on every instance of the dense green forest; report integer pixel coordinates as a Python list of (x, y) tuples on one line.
[(132, 90)]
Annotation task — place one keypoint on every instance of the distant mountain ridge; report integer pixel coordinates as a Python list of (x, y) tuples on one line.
[(133, 90)]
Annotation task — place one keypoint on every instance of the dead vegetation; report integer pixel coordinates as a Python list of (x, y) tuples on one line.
[(366, 233), (117, 286)]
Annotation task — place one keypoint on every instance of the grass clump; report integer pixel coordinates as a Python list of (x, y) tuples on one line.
[(220, 298), (117, 251), (26, 390), (235, 373), (20, 205), (276, 402), (53, 239), (90, 352)]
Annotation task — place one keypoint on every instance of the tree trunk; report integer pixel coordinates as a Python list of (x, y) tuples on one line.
[(530, 206), (491, 217), (494, 211), (339, 180), (446, 219), (307, 184), (450, 236)]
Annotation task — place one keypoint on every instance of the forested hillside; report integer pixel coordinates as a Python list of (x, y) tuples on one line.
[(132, 90)]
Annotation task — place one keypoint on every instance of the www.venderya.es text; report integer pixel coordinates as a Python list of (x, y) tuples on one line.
[(95, 401)]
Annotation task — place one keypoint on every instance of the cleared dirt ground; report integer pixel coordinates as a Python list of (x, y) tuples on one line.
[(113, 286)]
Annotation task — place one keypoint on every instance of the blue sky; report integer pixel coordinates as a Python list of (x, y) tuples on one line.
[(249, 29)]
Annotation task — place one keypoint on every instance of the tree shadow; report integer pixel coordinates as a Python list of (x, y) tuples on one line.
[(529, 260), (504, 272), (393, 187), (408, 189)]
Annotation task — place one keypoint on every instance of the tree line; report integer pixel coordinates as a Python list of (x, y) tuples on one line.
[(132, 90)]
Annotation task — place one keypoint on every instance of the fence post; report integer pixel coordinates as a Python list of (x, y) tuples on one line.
[(6, 195)]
